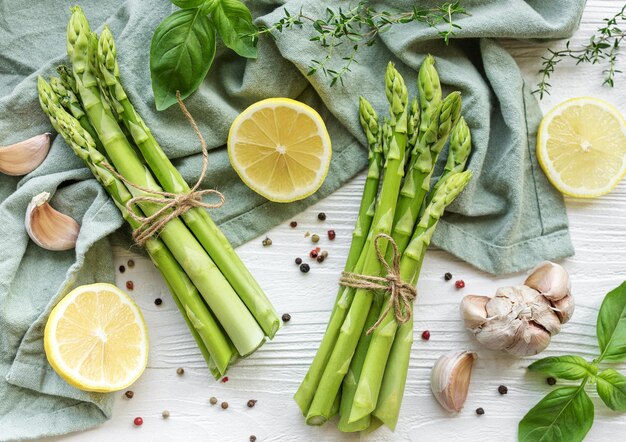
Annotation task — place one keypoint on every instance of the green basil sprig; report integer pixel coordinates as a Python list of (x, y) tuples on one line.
[(566, 414), (183, 45)]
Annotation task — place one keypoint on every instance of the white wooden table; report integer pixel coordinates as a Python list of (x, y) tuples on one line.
[(272, 374)]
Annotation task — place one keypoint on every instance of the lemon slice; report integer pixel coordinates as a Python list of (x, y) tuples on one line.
[(581, 147), (96, 339), (280, 148)]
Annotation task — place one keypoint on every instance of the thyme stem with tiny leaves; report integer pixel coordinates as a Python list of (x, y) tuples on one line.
[(603, 46), (359, 26)]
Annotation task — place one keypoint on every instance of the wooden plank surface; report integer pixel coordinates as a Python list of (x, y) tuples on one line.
[(272, 374)]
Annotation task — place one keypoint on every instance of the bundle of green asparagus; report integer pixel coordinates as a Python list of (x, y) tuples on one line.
[(361, 366), (227, 312)]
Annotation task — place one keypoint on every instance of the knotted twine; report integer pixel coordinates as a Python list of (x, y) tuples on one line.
[(401, 294), (172, 204)]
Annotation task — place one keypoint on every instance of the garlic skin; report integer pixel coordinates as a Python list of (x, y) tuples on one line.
[(550, 279), (24, 157), (49, 228), (518, 320), (450, 379)]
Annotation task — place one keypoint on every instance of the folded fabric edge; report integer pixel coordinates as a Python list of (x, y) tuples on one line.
[(500, 260)]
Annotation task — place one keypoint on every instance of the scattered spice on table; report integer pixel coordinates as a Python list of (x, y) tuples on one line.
[(213, 400), (298, 261), (252, 403), (122, 269), (307, 234), (321, 216), (165, 414), (551, 380), (129, 394), (158, 301), (138, 421), (315, 237), (313, 253), (325, 254), (130, 263), (253, 438), (320, 258), (224, 379), (425, 335), (331, 234), (480, 411), (130, 285), (293, 224), (459, 284), (180, 371), (304, 268), (447, 276), (286, 317), (267, 242), (224, 405), (502, 389)]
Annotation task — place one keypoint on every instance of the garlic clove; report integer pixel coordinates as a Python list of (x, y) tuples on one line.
[(564, 308), (474, 311), (540, 310), (550, 279), (530, 340), (498, 333), (24, 157), (49, 228), (450, 379)]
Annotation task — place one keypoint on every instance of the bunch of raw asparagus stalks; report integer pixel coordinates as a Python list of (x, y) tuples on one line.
[(360, 375), (224, 307)]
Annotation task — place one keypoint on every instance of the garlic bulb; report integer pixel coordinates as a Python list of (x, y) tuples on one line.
[(518, 320), (450, 378), (549, 279), (24, 157), (49, 228)]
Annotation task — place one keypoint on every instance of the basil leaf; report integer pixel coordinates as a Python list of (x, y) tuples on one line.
[(234, 24), (181, 53), (564, 367), (187, 4), (612, 389), (611, 325), (565, 414)]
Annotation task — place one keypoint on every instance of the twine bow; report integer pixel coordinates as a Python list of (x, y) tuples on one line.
[(173, 204), (401, 294)]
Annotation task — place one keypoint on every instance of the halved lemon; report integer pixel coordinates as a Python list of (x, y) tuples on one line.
[(581, 146), (96, 338), (280, 148)]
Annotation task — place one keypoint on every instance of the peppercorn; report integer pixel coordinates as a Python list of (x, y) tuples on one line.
[(286, 317), (502, 389), (320, 258), (304, 268), (130, 285), (551, 381), (325, 254), (331, 234), (224, 405), (459, 284), (131, 263), (480, 411), (129, 394), (425, 335), (224, 379), (293, 224), (251, 403), (158, 301), (180, 371), (213, 400), (122, 269), (266, 242), (138, 421), (313, 253), (447, 276), (253, 438), (315, 237), (307, 234), (298, 261), (165, 414), (321, 216)]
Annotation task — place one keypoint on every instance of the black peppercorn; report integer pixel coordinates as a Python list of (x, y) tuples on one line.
[(447, 276), (129, 394), (298, 261), (253, 438), (158, 301), (480, 411), (213, 400), (251, 403), (304, 268), (180, 371), (286, 317), (122, 269), (293, 224), (320, 258), (551, 381), (224, 405), (502, 389), (131, 263), (321, 216)]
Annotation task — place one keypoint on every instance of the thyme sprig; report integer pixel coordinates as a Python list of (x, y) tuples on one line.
[(359, 26), (603, 47)]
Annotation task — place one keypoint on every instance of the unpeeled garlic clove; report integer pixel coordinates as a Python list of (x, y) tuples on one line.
[(474, 310), (49, 228), (549, 279), (564, 308), (24, 157), (450, 379)]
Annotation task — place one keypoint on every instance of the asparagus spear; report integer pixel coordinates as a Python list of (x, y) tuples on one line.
[(352, 327), (366, 396), (412, 128), (204, 327), (389, 399), (231, 312), (429, 89)]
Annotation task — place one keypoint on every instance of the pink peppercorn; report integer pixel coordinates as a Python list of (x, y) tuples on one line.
[(331, 234), (224, 379), (459, 284), (138, 421), (425, 335)]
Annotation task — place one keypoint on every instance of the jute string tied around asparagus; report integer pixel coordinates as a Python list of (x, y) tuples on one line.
[(401, 294), (173, 204)]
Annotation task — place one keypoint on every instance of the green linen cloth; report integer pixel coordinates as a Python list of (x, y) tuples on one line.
[(508, 219)]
